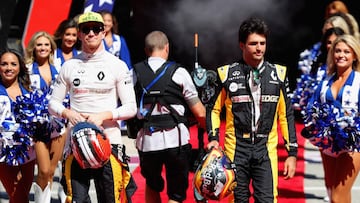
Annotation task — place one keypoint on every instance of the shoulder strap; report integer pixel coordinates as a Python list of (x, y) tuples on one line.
[(145, 89)]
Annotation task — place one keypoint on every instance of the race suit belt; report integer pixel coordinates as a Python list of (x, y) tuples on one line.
[(253, 137)]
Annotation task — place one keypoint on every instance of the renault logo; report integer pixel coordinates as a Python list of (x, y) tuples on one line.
[(101, 75)]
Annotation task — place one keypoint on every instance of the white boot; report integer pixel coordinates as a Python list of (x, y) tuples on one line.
[(62, 194), (328, 197), (42, 196)]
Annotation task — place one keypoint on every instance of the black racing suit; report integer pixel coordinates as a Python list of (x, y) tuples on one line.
[(254, 152)]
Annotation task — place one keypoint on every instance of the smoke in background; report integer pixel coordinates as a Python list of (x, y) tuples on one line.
[(294, 26), (217, 23)]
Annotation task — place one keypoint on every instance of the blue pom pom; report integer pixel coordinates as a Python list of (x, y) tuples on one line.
[(14, 145), (329, 127), (32, 122)]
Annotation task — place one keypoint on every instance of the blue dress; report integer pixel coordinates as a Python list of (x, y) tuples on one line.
[(37, 81), (120, 49), (335, 121)]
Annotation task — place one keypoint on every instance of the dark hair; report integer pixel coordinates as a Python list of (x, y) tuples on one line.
[(250, 26), (115, 27), (23, 77), (60, 31), (323, 50), (334, 30)]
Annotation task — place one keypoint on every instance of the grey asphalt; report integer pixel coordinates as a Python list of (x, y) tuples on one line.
[(314, 178)]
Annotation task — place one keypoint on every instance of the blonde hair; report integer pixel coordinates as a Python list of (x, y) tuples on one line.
[(338, 21), (345, 21), (334, 7), (354, 26), (29, 51), (350, 41)]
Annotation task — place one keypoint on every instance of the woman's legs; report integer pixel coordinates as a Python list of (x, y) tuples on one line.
[(56, 152), (347, 168), (42, 191), (329, 164), (17, 181), (48, 157), (43, 163)]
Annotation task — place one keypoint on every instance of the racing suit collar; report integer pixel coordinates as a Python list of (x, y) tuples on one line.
[(93, 55)]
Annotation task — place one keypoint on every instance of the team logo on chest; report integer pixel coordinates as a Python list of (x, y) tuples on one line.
[(233, 87), (76, 82), (80, 73), (101, 75), (273, 76)]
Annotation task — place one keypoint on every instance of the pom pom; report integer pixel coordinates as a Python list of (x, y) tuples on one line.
[(31, 111), (305, 88), (307, 58), (31, 121), (327, 126), (14, 144)]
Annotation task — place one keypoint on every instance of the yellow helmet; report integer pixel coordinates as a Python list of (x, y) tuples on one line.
[(215, 177)]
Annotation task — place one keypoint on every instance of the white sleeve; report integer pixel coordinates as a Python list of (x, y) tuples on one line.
[(183, 78), (60, 88), (125, 90)]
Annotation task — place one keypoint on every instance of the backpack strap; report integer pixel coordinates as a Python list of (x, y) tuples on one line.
[(164, 121), (146, 89)]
